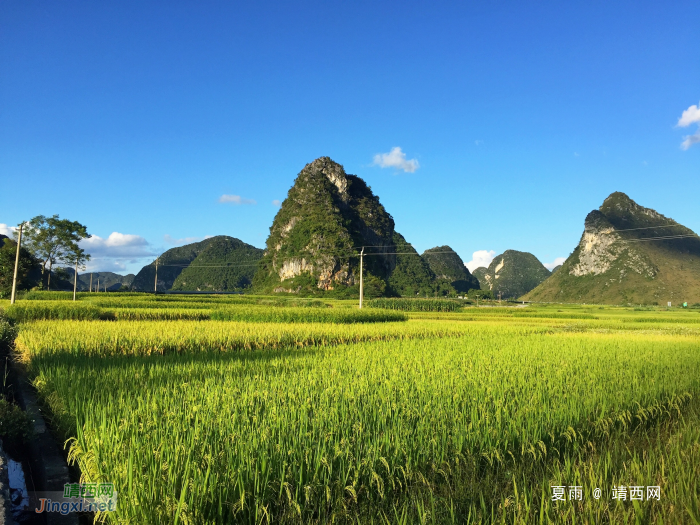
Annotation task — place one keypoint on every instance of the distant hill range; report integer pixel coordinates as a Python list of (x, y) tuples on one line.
[(448, 266), (627, 254), (111, 281), (512, 274), (219, 263), (319, 231)]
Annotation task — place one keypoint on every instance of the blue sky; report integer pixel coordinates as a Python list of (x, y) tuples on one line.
[(135, 118)]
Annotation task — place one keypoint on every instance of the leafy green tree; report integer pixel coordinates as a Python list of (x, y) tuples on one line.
[(28, 265), (76, 256), (373, 286), (481, 294), (52, 240)]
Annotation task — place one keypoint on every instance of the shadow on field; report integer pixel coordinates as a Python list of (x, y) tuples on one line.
[(247, 359)]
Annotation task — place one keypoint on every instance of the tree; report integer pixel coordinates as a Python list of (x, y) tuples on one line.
[(28, 268), (76, 258), (53, 240), (481, 294)]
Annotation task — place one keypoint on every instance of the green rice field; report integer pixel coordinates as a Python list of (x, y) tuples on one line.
[(257, 410)]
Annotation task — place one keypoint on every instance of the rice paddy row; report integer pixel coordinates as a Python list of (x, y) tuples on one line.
[(83, 310)]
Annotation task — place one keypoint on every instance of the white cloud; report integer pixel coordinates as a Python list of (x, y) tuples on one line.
[(105, 265), (480, 258), (235, 199), (114, 253), (689, 140), (7, 230), (555, 263), (277, 203), (689, 116), (117, 245), (396, 159)]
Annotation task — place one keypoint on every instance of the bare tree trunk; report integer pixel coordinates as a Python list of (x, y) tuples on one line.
[(43, 272), (48, 287)]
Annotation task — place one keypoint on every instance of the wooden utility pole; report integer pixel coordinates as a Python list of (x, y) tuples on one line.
[(155, 285), (90, 282), (14, 278), (362, 253), (75, 280)]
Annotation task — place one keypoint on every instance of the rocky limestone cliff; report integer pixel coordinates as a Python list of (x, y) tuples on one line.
[(321, 225), (627, 254), (512, 274), (448, 266)]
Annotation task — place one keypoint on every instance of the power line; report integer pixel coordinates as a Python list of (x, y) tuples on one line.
[(646, 228), (664, 238), (353, 254)]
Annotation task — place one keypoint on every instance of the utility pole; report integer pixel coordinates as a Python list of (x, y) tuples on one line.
[(75, 280), (90, 282), (14, 278), (362, 253), (155, 285), (98, 284)]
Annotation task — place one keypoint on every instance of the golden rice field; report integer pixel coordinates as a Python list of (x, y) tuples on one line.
[(465, 416)]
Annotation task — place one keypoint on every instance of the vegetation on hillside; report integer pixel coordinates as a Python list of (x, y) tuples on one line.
[(113, 281), (448, 266), (170, 264), (412, 276), (225, 264), (627, 254), (512, 274), (219, 263), (316, 238), (319, 229)]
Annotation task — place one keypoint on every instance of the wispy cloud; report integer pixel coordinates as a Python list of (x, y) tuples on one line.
[(479, 142), (556, 262), (689, 140), (235, 199), (688, 117), (396, 159), (277, 203), (117, 245), (184, 240), (480, 258)]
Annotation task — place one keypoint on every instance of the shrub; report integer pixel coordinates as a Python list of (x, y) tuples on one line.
[(35, 310), (8, 332), (14, 422), (305, 315), (415, 305)]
